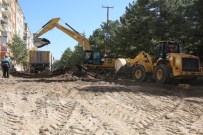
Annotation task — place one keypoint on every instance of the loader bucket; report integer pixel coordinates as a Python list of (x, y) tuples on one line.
[(40, 42), (119, 63), (122, 68)]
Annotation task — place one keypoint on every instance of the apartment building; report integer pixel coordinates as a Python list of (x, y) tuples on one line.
[(12, 22), (6, 23), (28, 37)]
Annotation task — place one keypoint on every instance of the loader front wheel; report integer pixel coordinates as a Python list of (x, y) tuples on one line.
[(162, 74), (139, 74)]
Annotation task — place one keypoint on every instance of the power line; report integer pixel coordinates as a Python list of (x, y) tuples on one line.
[(107, 36), (107, 21)]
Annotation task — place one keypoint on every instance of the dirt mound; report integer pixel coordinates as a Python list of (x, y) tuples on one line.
[(48, 74), (62, 74)]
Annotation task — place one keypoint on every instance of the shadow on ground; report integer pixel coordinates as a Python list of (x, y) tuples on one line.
[(148, 88)]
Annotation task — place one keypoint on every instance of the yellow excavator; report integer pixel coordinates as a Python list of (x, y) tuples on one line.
[(91, 59), (169, 63)]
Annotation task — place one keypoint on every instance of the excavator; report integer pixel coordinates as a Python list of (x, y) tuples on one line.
[(169, 63), (91, 59)]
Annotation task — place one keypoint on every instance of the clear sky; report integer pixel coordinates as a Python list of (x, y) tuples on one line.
[(83, 15)]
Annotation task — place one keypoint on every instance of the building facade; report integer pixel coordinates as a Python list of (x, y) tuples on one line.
[(12, 22)]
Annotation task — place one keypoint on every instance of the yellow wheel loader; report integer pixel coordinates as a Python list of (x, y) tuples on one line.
[(167, 64)]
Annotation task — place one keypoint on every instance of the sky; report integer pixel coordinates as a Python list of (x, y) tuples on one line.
[(85, 16)]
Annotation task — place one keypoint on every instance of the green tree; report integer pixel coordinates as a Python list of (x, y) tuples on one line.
[(77, 56), (18, 49), (56, 64), (135, 35), (146, 22), (97, 39), (65, 58), (194, 18), (71, 58), (100, 42)]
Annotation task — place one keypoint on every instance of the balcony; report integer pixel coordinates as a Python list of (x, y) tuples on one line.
[(5, 24), (5, 27), (1, 28), (4, 33), (4, 20), (6, 11), (24, 37), (7, 1)]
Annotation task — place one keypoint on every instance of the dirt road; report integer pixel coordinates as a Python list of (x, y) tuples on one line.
[(56, 106)]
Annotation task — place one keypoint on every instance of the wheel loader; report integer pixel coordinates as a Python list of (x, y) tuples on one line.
[(168, 63)]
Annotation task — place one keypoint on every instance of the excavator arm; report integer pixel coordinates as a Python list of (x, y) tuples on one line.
[(91, 59), (40, 42)]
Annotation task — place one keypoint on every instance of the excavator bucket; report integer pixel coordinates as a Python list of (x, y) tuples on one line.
[(40, 42)]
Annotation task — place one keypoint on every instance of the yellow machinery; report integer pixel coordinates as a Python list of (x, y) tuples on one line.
[(167, 64), (91, 59)]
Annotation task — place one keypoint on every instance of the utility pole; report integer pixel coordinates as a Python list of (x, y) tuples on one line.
[(107, 36)]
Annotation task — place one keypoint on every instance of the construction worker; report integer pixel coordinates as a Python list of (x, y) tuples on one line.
[(5, 63)]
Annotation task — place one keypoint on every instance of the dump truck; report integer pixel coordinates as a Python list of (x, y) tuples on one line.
[(39, 61), (168, 63)]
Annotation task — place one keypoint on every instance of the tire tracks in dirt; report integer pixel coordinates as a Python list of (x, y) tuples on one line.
[(143, 117), (11, 122), (180, 118), (97, 108)]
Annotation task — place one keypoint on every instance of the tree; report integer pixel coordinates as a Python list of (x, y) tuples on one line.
[(77, 56), (146, 22), (97, 39), (71, 58), (56, 64), (135, 33), (18, 49), (102, 43), (65, 58), (194, 18)]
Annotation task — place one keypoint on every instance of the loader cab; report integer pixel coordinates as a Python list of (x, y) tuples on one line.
[(163, 48)]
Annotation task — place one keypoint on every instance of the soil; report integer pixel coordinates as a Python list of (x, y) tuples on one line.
[(68, 105)]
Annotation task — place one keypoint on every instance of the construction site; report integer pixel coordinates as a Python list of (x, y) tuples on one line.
[(100, 89), (67, 105)]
